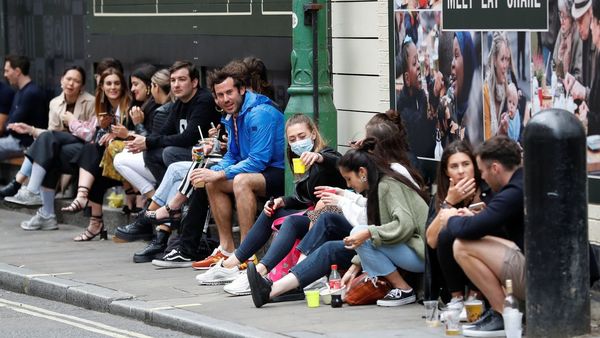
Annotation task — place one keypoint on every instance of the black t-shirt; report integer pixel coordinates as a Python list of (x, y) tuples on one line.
[(29, 106), (6, 98)]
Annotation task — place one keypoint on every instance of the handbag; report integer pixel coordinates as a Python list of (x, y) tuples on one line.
[(289, 261), (365, 290)]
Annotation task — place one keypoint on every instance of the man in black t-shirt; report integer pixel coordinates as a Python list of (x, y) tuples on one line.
[(6, 98), (28, 106)]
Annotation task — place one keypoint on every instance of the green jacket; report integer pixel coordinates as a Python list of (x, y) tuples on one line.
[(403, 214)]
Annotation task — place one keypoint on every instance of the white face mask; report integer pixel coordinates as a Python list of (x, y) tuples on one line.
[(302, 146)]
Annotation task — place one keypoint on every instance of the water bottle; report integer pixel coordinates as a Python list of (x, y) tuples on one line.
[(335, 280)]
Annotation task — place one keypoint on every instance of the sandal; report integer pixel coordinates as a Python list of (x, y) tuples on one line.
[(88, 235), (174, 217), (126, 210), (77, 204)]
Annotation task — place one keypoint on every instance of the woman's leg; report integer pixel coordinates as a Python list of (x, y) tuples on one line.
[(132, 168), (316, 265), (329, 227), (453, 274), (293, 228), (25, 170)]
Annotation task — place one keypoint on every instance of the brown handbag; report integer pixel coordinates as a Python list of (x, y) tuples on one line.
[(366, 291)]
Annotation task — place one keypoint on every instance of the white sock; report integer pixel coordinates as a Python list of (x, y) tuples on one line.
[(226, 253)]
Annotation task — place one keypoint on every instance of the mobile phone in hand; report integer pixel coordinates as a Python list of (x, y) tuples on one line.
[(477, 206)]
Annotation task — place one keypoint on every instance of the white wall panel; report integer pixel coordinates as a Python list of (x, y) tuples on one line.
[(351, 56), (355, 92), (354, 19), (351, 126)]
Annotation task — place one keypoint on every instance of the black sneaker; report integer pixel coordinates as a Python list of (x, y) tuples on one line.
[(397, 297), (140, 229), (492, 325), (154, 249), (10, 189), (174, 259)]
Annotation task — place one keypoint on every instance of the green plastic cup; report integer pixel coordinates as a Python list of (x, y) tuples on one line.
[(312, 298)]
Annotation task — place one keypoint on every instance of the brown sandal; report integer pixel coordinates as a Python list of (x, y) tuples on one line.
[(88, 235), (80, 202)]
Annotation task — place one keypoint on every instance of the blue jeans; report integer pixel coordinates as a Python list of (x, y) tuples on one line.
[(10, 147), (292, 228), (318, 263), (26, 167), (170, 182), (329, 227), (382, 260)]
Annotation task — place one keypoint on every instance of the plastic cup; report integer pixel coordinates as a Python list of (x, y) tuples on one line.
[(298, 165), (512, 323), (312, 298), (474, 309), (452, 321), (199, 184), (431, 313), (197, 152), (325, 296)]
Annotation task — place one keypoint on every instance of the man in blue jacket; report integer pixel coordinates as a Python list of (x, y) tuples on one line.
[(254, 163), (489, 244)]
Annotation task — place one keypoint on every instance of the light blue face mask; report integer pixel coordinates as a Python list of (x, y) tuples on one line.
[(302, 146)]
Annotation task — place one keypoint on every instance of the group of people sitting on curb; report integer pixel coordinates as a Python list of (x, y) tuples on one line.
[(367, 210)]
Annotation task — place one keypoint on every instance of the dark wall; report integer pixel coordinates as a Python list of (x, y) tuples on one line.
[(56, 33), (50, 33)]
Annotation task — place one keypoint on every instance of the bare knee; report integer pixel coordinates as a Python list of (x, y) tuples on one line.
[(242, 184), (460, 249)]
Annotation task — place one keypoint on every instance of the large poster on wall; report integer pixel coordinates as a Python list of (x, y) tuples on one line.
[(438, 84), (474, 84), (565, 66)]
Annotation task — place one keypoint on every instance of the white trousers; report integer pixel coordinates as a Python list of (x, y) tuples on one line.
[(132, 168)]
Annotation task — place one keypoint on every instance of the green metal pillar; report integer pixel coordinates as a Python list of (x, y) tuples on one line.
[(301, 90)]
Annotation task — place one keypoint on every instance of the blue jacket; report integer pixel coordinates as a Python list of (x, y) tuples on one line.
[(260, 141)]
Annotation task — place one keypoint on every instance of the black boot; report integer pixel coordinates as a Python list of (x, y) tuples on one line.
[(10, 189), (155, 249), (140, 229)]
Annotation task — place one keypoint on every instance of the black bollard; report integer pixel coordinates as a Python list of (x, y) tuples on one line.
[(556, 226)]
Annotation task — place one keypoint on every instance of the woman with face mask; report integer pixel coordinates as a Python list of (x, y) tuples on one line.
[(305, 143)]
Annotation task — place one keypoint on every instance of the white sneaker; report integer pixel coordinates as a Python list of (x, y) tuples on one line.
[(218, 275), (25, 197), (240, 286), (39, 222)]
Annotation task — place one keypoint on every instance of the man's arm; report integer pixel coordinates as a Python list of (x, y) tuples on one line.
[(491, 219)]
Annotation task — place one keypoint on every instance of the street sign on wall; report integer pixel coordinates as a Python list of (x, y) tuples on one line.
[(522, 15)]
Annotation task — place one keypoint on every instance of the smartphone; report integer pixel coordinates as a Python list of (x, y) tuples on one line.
[(271, 202), (477, 206)]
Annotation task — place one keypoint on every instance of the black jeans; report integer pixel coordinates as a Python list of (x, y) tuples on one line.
[(192, 225), (453, 274), (292, 228)]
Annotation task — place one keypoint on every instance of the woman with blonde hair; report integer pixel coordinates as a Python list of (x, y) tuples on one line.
[(304, 143), (495, 84)]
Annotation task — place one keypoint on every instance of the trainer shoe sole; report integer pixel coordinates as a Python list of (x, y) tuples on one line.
[(238, 293), (398, 302), (170, 265), (214, 282)]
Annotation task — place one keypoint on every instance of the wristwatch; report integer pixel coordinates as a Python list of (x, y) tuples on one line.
[(446, 205)]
